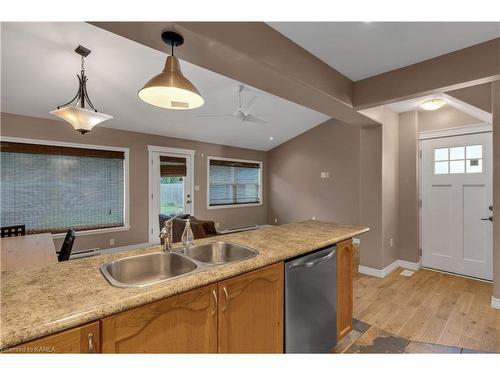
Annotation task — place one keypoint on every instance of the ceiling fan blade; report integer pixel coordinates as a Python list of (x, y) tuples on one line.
[(238, 114), (252, 118), (249, 106)]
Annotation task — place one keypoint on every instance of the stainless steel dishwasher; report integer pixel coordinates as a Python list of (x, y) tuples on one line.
[(311, 302)]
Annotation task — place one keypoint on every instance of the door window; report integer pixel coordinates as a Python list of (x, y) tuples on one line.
[(456, 160)]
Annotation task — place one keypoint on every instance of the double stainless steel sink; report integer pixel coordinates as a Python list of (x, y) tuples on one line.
[(153, 268)]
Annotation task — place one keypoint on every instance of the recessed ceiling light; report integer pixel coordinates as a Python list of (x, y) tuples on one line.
[(432, 104), (271, 138)]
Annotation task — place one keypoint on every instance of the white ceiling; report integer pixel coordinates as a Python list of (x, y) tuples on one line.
[(364, 49), (39, 70)]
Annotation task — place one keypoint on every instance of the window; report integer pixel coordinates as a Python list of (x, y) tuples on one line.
[(461, 159), (234, 182), (50, 188)]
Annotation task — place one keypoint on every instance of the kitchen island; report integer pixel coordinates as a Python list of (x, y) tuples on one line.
[(41, 301)]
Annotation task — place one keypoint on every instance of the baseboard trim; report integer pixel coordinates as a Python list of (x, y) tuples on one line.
[(390, 268), (495, 303)]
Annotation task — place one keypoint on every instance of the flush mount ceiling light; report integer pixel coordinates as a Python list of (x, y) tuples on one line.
[(74, 111), (432, 104), (170, 89)]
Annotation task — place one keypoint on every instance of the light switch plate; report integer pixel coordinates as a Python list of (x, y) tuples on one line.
[(196, 187)]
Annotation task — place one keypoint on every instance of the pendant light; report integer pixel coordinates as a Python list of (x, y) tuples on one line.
[(74, 111), (170, 89)]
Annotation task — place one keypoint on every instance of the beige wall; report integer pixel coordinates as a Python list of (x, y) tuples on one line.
[(298, 192), (479, 96), (390, 186), (370, 196), (408, 187), (30, 127), (445, 117)]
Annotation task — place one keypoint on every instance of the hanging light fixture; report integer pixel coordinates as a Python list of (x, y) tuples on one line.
[(170, 89), (74, 111)]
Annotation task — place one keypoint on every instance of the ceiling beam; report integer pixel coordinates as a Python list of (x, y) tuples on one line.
[(467, 67), (255, 54)]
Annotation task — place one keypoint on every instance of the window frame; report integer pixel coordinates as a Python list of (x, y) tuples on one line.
[(237, 205), (125, 150)]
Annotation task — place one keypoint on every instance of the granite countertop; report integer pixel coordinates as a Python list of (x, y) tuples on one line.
[(42, 300)]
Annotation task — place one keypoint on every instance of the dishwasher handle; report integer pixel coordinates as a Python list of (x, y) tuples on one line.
[(314, 262)]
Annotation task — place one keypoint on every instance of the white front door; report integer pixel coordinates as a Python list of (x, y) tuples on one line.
[(170, 187), (456, 193)]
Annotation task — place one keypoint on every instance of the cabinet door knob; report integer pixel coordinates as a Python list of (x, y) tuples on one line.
[(214, 294), (226, 305), (91, 343)]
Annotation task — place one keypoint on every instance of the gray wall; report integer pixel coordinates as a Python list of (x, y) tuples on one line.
[(298, 192), (36, 128)]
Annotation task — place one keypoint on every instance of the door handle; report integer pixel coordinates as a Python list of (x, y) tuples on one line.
[(91, 343), (214, 294), (226, 305), (314, 262), (487, 218)]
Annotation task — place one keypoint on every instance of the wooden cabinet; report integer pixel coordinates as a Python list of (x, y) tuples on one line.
[(185, 323), (251, 312), (82, 339), (345, 252)]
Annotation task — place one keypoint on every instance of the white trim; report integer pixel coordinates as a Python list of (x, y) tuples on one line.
[(390, 268), (495, 303), (451, 132), (125, 248), (93, 231), (469, 109), (242, 205), (126, 190), (189, 154), (171, 150)]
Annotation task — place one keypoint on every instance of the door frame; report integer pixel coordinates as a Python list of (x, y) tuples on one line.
[(442, 133), (183, 152)]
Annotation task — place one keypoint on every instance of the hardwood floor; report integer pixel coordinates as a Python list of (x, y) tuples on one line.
[(430, 307)]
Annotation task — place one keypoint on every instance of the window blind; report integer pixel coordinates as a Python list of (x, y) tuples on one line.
[(53, 188), (233, 182), (171, 166)]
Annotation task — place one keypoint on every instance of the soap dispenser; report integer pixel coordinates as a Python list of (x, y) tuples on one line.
[(187, 235)]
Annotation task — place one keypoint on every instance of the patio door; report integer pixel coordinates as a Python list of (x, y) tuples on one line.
[(170, 186), (456, 186)]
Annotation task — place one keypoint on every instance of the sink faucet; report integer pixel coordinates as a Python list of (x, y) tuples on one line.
[(166, 235)]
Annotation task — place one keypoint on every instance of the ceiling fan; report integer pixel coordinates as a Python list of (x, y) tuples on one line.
[(243, 113)]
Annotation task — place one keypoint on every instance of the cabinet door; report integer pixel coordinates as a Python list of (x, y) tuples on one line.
[(344, 288), (82, 339), (185, 323), (251, 312)]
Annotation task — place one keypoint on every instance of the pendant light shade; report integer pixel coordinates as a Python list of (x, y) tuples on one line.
[(74, 112), (82, 119), (170, 89)]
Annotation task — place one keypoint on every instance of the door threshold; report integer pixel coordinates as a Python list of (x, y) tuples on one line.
[(458, 274)]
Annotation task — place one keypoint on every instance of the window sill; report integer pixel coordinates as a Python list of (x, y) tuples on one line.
[(243, 205), (93, 231)]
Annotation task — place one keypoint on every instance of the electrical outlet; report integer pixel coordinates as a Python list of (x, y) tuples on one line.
[(196, 187), (275, 220), (202, 154), (111, 242), (314, 218), (391, 242), (217, 225)]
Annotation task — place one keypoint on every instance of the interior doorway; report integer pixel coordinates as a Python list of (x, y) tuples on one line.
[(456, 204), (171, 174)]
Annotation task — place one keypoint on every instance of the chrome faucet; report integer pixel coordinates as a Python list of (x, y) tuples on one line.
[(166, 235)]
